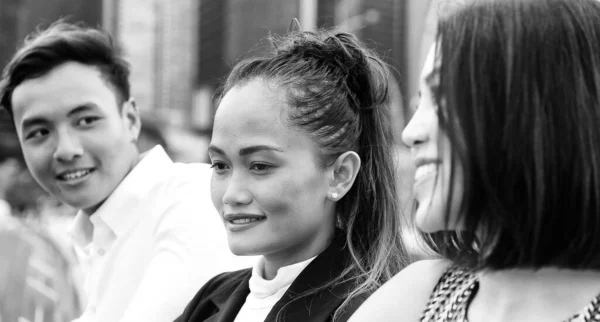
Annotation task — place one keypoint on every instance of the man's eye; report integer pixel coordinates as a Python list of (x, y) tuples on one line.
[(37, 133), (86, 121)]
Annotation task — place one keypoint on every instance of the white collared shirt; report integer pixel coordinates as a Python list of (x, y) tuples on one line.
[(264, 294), (152, 244)]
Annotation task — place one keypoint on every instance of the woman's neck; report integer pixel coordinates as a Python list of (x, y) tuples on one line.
[(523, 294), (295, 254)]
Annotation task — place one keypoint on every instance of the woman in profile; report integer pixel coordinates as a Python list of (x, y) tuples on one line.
[(304, 177), (506, 140)]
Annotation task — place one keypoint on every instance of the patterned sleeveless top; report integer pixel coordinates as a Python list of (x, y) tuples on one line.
[(456, 288)]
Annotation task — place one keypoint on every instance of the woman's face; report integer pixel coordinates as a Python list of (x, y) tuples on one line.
[(267, 185), (431, 152)]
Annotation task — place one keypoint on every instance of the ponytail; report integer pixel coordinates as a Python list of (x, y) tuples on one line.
[(373, 223)]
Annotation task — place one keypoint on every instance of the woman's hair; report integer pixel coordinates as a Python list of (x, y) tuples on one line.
[(337, 92), (518, 90)]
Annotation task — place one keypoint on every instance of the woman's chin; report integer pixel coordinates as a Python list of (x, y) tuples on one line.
[(241, 248), (428, 221)]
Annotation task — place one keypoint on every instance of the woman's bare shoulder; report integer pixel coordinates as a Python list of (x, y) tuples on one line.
[(404, 297)]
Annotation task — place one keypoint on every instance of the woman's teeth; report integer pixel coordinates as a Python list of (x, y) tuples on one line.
[(245, 220), (425, 170)]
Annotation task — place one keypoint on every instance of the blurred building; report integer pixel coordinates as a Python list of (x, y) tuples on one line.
[(181, 50), (231, 30)]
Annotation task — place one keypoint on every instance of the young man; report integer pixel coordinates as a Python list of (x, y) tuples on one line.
[(146, 231)]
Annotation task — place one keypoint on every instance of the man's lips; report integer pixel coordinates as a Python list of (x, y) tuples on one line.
[(73, 174)]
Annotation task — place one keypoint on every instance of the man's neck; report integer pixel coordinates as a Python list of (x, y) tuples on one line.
[(136, 160)]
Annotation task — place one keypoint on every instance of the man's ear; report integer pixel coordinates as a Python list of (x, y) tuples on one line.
[(345, 169), (131, 116)]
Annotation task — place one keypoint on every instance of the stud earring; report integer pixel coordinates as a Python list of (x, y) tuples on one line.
[(334, 195)]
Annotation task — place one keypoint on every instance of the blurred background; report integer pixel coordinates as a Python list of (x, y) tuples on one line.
[(180, 51)]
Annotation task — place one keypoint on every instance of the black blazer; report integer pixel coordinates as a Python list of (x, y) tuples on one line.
[(222, 297)]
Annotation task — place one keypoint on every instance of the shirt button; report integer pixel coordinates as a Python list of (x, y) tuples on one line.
[(101, 252)]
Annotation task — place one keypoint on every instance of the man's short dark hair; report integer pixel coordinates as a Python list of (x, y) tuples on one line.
[(44, 50)]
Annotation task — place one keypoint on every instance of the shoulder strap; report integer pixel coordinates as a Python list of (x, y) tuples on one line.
[(451, 295)]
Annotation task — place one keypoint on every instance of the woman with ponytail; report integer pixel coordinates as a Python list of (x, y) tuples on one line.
[(304, 177)]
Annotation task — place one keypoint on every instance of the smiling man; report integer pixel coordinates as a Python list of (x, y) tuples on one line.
[(146, 232)]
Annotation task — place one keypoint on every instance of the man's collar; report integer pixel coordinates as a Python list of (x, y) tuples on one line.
[(81, 230), (4, 209), (118, 210)]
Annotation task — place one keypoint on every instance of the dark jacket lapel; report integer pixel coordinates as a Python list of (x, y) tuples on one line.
[(229, 304), (319, 306), (220, 299)]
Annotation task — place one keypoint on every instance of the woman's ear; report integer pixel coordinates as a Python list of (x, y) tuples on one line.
[(345, 169), (131, 116)]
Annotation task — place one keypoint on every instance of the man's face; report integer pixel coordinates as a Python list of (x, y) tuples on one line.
[(77, 142)]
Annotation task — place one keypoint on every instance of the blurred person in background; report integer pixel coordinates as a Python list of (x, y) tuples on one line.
[(36, 273), (146, 232), (4, 208), (8, 169)]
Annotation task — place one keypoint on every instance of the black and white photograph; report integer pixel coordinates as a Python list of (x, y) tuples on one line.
[(299, 160)]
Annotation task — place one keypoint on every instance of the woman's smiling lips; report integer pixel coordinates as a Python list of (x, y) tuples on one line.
[(426, 168), (238, 222)]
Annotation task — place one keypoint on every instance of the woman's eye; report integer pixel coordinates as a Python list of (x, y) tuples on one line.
[(260, 167), (219, 166)]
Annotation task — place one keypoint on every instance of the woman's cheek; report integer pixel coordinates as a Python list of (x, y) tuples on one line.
[(216, 193), (277, 197)]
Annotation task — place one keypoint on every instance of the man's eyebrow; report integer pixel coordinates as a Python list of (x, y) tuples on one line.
[(82, 108), (29, 122)]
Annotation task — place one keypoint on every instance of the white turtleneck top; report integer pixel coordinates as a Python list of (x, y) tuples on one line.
[(265, 293)]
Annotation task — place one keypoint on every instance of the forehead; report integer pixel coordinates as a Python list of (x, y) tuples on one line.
[(255, 112), (254, 105), (64, 87)]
